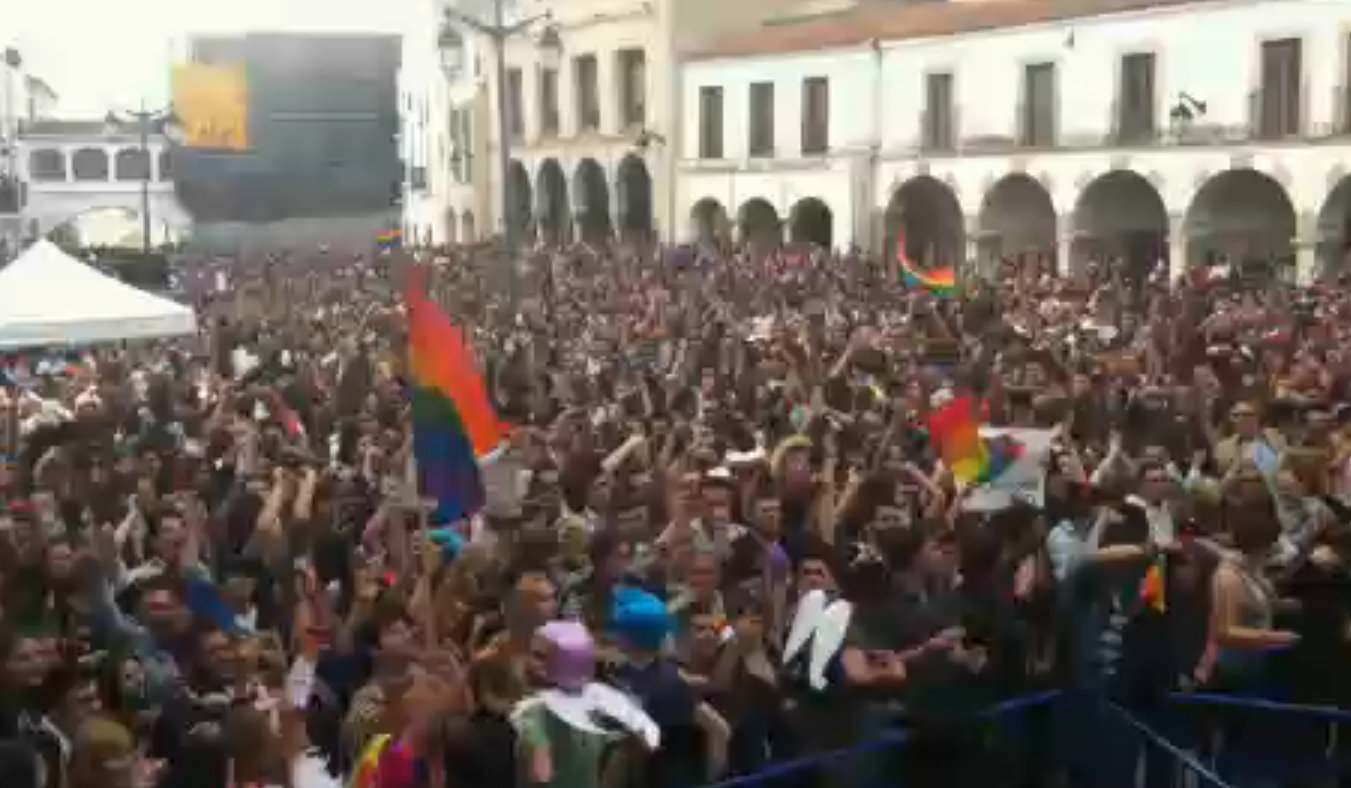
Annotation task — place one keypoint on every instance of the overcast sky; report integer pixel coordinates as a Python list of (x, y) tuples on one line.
[(106, 54)]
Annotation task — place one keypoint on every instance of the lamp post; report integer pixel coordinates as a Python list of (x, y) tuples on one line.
[(162, 122), (451, 45)]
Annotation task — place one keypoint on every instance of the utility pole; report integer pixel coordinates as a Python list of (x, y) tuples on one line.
[(164, 123), (499, 33)]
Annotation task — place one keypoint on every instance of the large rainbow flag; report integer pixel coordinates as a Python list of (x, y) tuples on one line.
[(942, 281), (453, 420)]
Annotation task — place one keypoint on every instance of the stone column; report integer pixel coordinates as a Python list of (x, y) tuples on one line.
[(1064, 257), (1306, 249), (1177, 247)]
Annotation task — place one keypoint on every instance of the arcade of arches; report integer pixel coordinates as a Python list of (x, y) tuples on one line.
[(1236, 217), (559, 209)]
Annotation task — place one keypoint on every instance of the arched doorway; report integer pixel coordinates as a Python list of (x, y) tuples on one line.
[(709, 221), (452, 226), (811, 221), (591, 197), (761, 229), (1120, 218), (1243, 218), (926, 213), (520, 201), (1017, 218), (468, 231), (1334, 230), (633, 189), (90, 164), (555, 221)]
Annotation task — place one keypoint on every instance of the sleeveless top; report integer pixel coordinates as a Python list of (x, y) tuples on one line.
[(1255, 604)]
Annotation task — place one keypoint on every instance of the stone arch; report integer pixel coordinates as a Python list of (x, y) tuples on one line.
[(709, 221), (90, 164), (131, 164), (1017, 218), (760, 227), (1240, 217), (1120, 217), (927, 214), (811, 221), (591, 198), (468, 229), (519, 200), (1334, 229), (47, 164), (551, 195), (633, 190), (452, 227)]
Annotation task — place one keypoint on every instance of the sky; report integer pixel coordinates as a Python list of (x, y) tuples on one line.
[(101, 55)]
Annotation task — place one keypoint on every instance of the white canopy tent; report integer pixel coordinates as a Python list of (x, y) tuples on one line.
[(48, 297)]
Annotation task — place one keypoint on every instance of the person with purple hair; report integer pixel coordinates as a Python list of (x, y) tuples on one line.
[(566, 726)]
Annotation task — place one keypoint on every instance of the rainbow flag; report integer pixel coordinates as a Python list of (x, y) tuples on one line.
[(384, 763), (391, 239), (940, 281), (954, 429), (368, 766), (453, 420), (1152, 591)]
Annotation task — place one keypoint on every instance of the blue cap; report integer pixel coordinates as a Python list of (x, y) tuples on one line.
[(639, 618), (448, 539)]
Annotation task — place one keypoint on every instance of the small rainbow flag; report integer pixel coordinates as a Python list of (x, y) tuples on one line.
[(1152, 591), (453, 419), (391, 239), (368, 766), (940, 281), (953, 428)]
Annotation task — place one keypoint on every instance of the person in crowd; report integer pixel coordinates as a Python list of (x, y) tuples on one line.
[(719, 472)]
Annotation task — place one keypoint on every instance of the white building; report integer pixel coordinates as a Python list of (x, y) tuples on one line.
[(444, 123), (591, 96), (79, 170), (1191, 130)]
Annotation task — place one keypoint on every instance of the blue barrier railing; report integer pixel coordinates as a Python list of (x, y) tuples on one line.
[(1202, 760)]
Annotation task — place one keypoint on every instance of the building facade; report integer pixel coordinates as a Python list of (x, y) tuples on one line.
[(1191, 131), (591, 97), (78, 171), (445, 120)]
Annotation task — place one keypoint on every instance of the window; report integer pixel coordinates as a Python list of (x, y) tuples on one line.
[(710, 123), (632, 87), (90, 164), (548, 102), (1135, 101), (1279, 97), (132, 165), (588, 92), (515, 117), (938, 131), (166, 165), (815, 115), (761, 140), (47, 164), (1038, 110)]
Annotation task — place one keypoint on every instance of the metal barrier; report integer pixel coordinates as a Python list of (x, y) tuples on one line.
[(1094, 742)]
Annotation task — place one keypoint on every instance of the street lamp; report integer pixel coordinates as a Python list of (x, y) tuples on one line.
[(451, 44), (162, 122)]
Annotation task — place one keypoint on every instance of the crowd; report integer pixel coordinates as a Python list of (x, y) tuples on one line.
[(718, 537)]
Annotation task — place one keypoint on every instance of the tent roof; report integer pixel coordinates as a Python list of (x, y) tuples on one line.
[(48, 297)]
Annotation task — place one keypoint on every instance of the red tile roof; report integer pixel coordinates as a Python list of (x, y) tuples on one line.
[(912, 20)]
